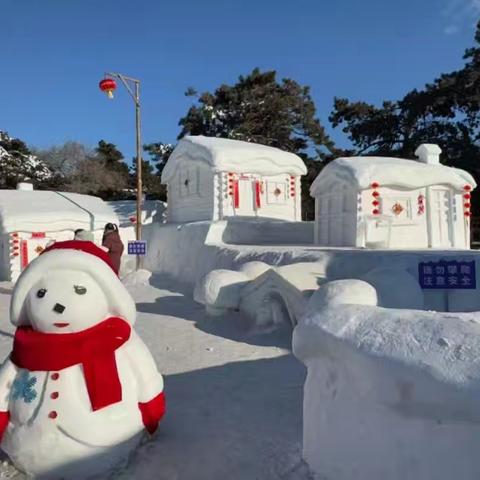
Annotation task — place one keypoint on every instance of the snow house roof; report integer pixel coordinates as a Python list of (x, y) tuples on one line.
[(225, 155), (47, 211), (359, 173)]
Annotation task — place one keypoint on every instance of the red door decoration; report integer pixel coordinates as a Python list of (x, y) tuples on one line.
[(292, 186), (14, 245), (258, 193), (24, 254), (233, 190), (467, 205), (421, 205), (236, 194), (376, 197)]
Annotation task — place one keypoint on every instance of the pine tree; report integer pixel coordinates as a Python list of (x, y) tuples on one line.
[(446, 112), (113, 159), (261, 109)]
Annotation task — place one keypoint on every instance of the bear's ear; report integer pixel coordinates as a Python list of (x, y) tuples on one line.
[(18, 310)]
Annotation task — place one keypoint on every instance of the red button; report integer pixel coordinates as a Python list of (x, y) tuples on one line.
[(54, 395), (55, 376), (53, 415)]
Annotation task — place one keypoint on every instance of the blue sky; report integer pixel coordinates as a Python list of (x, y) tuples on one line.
[(54, 52)]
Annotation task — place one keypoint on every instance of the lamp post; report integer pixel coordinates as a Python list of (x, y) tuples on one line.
[(108, 85)]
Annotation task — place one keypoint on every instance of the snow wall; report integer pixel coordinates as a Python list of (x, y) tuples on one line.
[(267, 232), (185, 253), (390, 394)]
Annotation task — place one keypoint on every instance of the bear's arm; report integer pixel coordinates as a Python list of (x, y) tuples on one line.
[(8, 373), (151, 399)]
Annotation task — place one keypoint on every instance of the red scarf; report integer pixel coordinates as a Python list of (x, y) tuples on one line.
[(93, 348)]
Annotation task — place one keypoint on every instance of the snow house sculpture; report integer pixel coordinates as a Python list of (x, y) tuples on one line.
[(213, 178), (382, 202), (31, 219)]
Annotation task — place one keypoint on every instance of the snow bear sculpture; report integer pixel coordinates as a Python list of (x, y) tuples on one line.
[(80, 386)]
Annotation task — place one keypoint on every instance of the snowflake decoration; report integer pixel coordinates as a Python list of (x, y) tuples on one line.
[(23, 387)]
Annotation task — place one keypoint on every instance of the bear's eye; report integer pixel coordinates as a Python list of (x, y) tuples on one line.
[(79, 290), (41, 293)]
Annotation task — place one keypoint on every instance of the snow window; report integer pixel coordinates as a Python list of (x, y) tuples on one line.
[(277, 192), (188, 182), (399, 207)]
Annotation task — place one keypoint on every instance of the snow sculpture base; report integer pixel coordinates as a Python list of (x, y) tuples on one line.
[(390, 393), (74, 460), (347, 436)]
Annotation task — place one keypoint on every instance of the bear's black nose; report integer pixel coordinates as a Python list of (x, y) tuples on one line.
[(58, 308)]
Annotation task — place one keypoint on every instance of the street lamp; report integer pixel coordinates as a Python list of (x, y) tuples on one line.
[(108, 85)]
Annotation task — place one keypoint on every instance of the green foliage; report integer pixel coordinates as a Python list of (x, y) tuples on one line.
[(152, 185), (159, 153), (109, 153), (446, 112), (260, 109)]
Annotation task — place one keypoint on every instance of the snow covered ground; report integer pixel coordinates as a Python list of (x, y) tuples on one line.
[(234, 399)]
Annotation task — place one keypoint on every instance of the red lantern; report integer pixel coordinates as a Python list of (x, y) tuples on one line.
[(467, 196), (108, 85), (466, 205), (375, 185), (467, 188), (375, 194), (376, 211), (375, 203), (467, 214), (133, 219)]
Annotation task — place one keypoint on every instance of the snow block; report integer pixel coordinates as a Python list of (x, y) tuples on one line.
[(390, 394), (220, 290)]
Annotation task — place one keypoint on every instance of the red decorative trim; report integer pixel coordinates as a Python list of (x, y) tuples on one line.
[(467, 188), (4, 419), (38, 235)]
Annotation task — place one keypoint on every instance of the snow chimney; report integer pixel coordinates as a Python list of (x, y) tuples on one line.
[(25, 186), (428, 153)]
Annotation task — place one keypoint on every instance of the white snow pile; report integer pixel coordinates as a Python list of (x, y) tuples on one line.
[(47, 211), (226, 155), (359, 172), (137, 278), (390, 394), (270, 296)]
